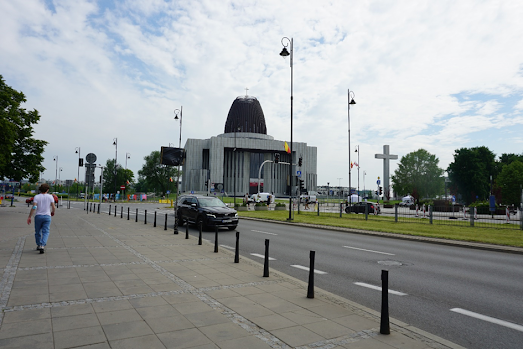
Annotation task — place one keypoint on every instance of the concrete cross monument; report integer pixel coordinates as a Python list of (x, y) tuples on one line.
[(386, 156)]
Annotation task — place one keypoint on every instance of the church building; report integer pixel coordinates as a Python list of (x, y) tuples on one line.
[(211, 165)]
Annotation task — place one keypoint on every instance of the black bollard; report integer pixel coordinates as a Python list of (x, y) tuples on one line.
[(384, 323), (266, 263), (121, 212), (175, 223), (109, 210), (200, 234), (115, 210), (216, 239), (91, 207), (237, 250), (136, 217), (310, 290), (99, 208), (187, 231), (87, 211), (165, 227), (127, 213), (145, 218), (155, 219)]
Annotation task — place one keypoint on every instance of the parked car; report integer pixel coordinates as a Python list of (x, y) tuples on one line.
[(206, 210), (359, 207), (30, 200), (261, 197)]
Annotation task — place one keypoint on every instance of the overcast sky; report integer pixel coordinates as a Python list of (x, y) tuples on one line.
[(438, 75)]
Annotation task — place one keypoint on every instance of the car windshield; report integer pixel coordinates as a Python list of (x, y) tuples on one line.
[(211, 202)]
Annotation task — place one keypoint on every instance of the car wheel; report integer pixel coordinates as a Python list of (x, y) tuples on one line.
[(346, 210), (232, 228)]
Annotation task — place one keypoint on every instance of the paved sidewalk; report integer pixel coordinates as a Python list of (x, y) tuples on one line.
[(106, 282)]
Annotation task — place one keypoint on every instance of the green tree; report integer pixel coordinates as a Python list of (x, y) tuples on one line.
[(418, 174), (122, 177), (156, 175), (470, 172), (20, 154), (510, 181)]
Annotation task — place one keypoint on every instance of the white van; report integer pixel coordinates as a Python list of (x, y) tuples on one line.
[(261, 197), (407, 201)]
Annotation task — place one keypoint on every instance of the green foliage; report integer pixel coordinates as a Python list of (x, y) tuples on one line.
[(470, 172), (510, 181), (157, 176), (280, 204), (20, 154), (114, 179), (418, 174)]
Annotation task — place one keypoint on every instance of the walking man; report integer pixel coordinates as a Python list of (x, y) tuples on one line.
[(43, 207)]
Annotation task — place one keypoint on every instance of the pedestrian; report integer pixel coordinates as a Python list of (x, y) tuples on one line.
[(43, 208)]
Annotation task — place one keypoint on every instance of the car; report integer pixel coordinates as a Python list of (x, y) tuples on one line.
[(260, 197), (209, 211), (359, 207), (30, 200)]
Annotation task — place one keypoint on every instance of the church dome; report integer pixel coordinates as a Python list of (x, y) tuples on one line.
[(246, 115)]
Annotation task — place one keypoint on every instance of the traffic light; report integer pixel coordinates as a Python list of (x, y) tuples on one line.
[(376, 192), (381, 191), (300, 161), (276, 158), (302, 186), (81, 162)]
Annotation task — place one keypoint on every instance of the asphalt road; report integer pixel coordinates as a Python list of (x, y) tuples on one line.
[(484, 288)]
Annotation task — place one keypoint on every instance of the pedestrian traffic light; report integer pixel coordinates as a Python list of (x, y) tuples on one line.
[(300, 161), (276, 158), (302, 185), (381, 191), (376, 192)]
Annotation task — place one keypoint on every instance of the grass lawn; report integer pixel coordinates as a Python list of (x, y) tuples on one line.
[(498, 236)]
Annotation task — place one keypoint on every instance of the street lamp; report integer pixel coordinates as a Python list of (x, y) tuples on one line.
[(350, 100), (60, 175), (339, 187), (285, 41), (357, 150), (176, 113), (56, 173), (364, 191), (234, 159), (127, 156), (115, 143), (77, 151)]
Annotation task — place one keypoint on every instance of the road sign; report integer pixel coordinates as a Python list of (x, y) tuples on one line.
[(378, 182), (298, 173), (90, 158), (168, 192), (122, 187)]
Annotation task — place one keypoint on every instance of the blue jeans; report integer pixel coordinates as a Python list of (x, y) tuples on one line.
[(42, 224)]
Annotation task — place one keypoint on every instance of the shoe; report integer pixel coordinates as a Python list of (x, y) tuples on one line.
[(41, 249), (38, 248)]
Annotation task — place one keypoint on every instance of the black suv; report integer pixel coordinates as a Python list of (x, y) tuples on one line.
[(206, 210), (359, 207)]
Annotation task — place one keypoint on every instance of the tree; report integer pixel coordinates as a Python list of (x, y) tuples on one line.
[(156, 175), (20, 154), (510, 181), (470, 172), (418, 174), (122, 177)]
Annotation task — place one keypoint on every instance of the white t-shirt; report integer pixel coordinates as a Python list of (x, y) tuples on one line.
[(43, 204)]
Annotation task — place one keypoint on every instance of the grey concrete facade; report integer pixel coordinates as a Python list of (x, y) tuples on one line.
[(213, 159)]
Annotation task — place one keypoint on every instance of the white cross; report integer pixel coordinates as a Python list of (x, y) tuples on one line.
[(386, 156), (246, 89)]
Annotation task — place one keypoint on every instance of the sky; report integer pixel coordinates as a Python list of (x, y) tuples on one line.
[(437, 75)]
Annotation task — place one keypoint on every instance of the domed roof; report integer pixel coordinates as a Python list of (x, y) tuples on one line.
[(246, 115)]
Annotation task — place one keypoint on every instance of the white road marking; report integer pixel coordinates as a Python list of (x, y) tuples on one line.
[(307, 269), (229, 247), (489, 319), (263, 232), (362, 249), (378, 288), (262, 256)]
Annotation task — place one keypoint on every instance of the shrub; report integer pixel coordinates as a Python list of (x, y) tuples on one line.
[(280, 204)]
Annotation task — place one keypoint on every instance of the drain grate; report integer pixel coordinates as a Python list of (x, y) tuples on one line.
[(390, 263)]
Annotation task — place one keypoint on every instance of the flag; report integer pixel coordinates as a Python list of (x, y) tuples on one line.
[(356, 164), (75, 180), (128, 182), (287, 149), (351, 165), (170, 179)]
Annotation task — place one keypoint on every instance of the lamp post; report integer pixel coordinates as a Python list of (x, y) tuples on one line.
[(357, 150), (339, 187), (115, 143), (328, 191), (77, 151), (60, 175), (364, 191), (285, 41), (350, 100), (56, 173), (234, 159), (127, 156), (176, 113)]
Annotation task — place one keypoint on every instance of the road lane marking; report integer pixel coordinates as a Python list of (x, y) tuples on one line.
[(307, 269), (378, 288), (263, 232), (229, 247), (262, 256), (488, 318), (362, 249)]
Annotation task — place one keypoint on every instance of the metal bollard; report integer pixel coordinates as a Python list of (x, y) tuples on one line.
[(200, 233), (109, 210), (367, 212), (128, 213), (121, 212), (341, 209), (155, 219), (99, 208), (115, 210), (384, 323), (136, 217), (165, 227), (310, 289), (145, 218), (215, 239), (86, 211), (187, 230), (396, 213), (266, 263), (237, 250)]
